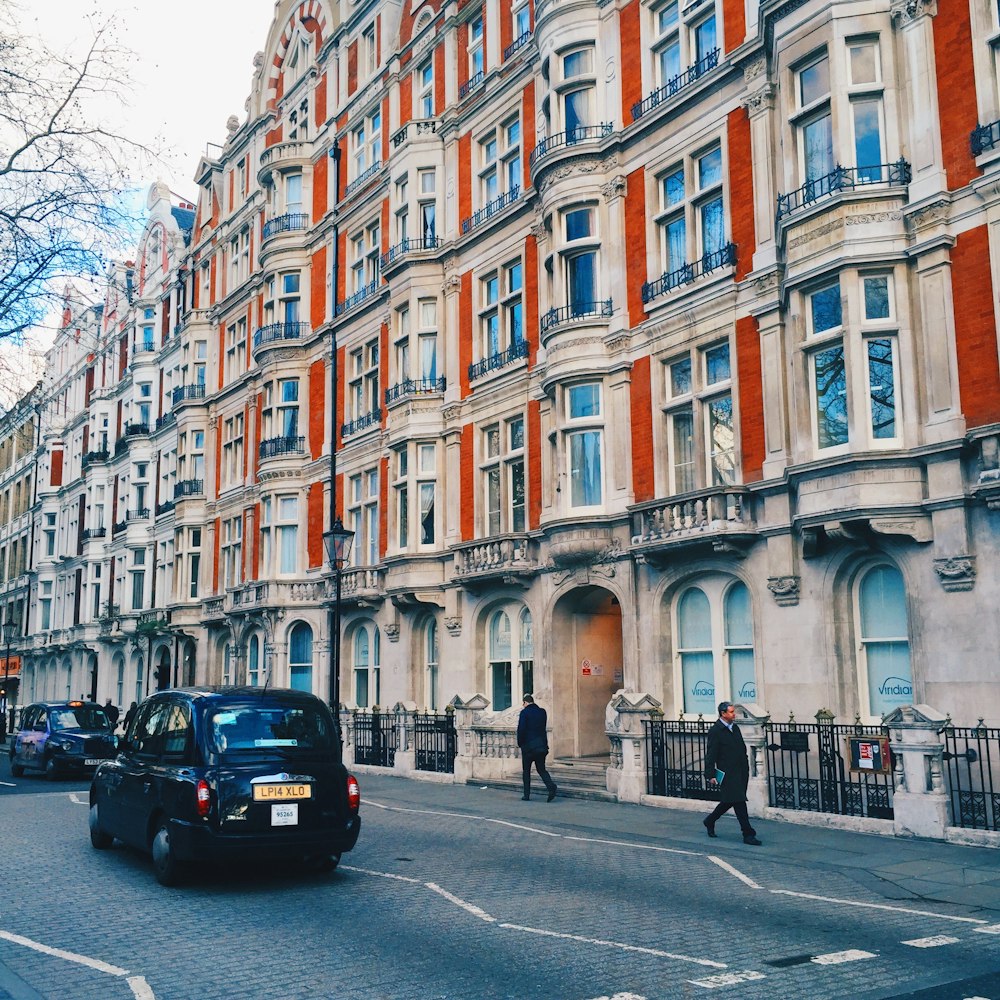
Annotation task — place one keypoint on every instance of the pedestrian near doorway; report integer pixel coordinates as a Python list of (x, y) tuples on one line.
[(534, 743), (727, 767), (111, 711), (130, 715)]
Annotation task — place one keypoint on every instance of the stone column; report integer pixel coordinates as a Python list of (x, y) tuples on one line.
[(406, 754), (920, 800), (751, 719), (466, 708), (625, 715), (759, 103)]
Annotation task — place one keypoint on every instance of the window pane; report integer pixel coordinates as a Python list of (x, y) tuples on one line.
[(705, 38), (578, 224), (582, 282), (680, 377), (742, 680), (500, 636), (673, 188), (881, 388), (683, 450), (501, 686), (710, 168), (877, 298), (825, 306), (867, 139), (585, 400), (717, 364), (883, 604), (676, 244), (694, 621), (890, 678), (712, 227), (517, 496), (300, 644), (576, 63), (831, 397), (666, 17), (722, 441), (585, 468), (863, 64), (577, 112), (670, 63), (818, 151), (698, 678), (814, 82), (739, 623)]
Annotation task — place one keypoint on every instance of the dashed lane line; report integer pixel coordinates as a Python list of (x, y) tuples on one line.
[(883, 906), (840, 957), (726, 866), (728, 979), (75, 797), (931, 942), (468, 907), (137, 984)]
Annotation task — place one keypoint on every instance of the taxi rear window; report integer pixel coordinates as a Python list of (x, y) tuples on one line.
[(256, 728), (85, 717)]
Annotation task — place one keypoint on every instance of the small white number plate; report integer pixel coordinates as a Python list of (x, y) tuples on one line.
[(284, 814), (92, 762)]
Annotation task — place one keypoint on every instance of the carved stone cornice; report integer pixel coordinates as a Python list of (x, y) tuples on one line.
[(453, 623), (956, 572), (905, 12), (784, 590), (760, 100), (614, 188)]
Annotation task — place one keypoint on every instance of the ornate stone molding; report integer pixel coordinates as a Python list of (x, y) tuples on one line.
[(907, 11), (784, 590), (760, 100), (865, 218), (754, 69), (453, 623), (451, 412), (815, 234), (614, 188), (391, 631), (452, 283), (930, 215), (956, 572)]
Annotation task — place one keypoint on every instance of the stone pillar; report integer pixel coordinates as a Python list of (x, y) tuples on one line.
[(624, 717), (759, 104), (751, 719), (465, 711), (406, 754), (920, 800), (347, 735)]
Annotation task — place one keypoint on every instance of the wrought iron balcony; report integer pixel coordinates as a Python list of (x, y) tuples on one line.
[(189, 488), (688, 272), (118, 528), (182, 393), (273, 447), (89, 533), (136, 428), (275, 332), (166, 419), (371, 419), (164, 508), (414, 387), (517, 44), (490, 209), (896, 174), (284, 224), (571, 137), (361, 295), (519, 349), (92, 457), (985, 137), (121, 446), (676, 84), (362, 179), (471, 84), (577, 311), (404, 247), (139, 514), (144, 347)]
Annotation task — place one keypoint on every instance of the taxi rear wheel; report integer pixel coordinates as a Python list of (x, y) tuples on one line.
[(165, 864), (16, 769), (322, 864), (101, 840)]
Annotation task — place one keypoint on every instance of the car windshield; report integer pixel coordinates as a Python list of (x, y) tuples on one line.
[(269, 727), (86, 717)]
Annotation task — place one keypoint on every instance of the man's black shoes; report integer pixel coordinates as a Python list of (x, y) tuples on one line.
[(525, 798), (710, 827), (752, 841), (552, 793)]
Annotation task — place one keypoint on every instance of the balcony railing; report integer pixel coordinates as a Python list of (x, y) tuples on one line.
[(121, 446), (577, 311), (414, 387), (89, 533), (273, 447), (183, 393), (519, 349), (362, 179), (985, 137), (362, 423), (676, 84), (139, 514), (369, 291), (896, 174), (278, 331), (421, 126), (571, 137), (701, 516), (134, 429), (471, 84), (284, 224), (144, 347), (490, 209), (189, 488), (102, 455), (164, 508), (688, 272), (409, 246), (165, 419), (518, 43), (118, 528)]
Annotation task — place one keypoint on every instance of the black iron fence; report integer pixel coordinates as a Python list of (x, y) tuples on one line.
[(375, 738), (675, 759), (972, 763), (807, 770), (435, 742), (897, 174)]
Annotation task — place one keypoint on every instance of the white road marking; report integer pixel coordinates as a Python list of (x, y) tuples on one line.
[(389, 875), (840, 957), (990, 929), (931, 942), (727, 979), (622, 996), (613, 944), (637, 847), (884, 906), (91, 963), (75, 797), (8, 784), (481, 819), (140, 988), (468, 907), (745, 879)]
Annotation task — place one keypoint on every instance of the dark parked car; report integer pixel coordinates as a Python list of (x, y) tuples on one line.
[(220, 774), (61, 738)]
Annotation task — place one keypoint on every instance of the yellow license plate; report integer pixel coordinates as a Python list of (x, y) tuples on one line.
[(282, 791)]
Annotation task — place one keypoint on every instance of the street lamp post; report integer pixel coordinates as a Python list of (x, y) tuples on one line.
[(9, 628), (338, 548)]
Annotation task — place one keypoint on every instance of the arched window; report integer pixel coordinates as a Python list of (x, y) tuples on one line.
[(715, 647), (367, 679), (120, 683), (885, 673), (253, 661), (527, 652), (227, 665), (138, 679), (300, 657), (431, 659), (500, 663)]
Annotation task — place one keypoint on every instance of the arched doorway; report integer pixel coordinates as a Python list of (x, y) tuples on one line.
[(189, 663), (586, 657), (162, 675), (92, 675)]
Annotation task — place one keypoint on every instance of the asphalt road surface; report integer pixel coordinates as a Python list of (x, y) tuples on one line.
[(463, 892)]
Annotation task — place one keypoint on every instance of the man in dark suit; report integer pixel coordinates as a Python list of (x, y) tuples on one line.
[(534, 743), (728, 753)]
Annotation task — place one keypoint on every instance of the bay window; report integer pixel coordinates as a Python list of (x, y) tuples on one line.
[(584, 444), (502, 477)]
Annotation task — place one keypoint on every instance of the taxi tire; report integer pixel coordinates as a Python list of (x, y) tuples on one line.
[(51, 773), (323, 864), (101, 840), (17, 770), (166, 867)]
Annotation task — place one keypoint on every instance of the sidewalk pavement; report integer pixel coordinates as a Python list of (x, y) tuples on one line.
[(903, 871)]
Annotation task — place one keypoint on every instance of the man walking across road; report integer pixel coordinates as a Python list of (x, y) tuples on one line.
[(534, 744), (727, 753), (111, 711)]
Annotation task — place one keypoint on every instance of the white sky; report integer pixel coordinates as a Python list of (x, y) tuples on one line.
[(192, 68)]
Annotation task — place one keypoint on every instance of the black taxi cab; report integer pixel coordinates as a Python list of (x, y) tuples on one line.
[(61, 738), (228, 774)]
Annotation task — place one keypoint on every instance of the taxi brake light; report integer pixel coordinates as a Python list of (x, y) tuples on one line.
[(353, 793), (203, 798)]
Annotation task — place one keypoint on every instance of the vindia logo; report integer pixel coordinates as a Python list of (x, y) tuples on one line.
[(896, 686), (702, 689), (749, 690)]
